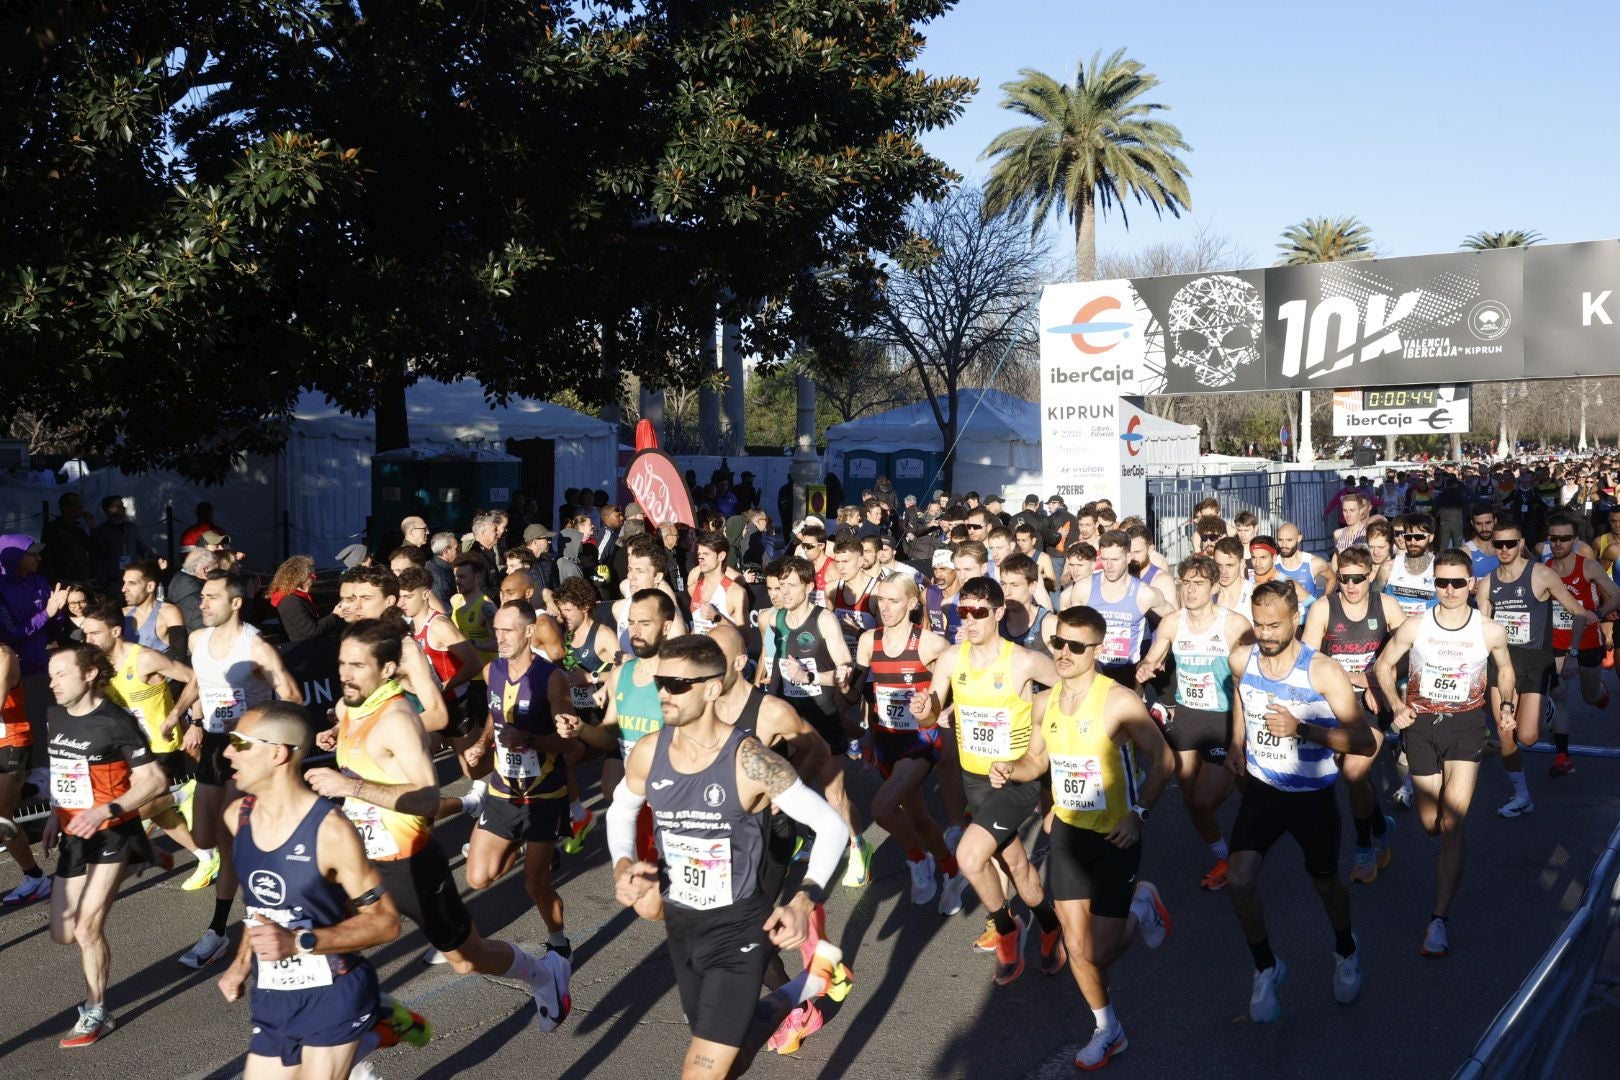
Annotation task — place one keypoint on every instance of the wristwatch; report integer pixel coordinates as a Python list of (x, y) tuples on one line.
[(114, 810), (1140, 811), (305, 942)]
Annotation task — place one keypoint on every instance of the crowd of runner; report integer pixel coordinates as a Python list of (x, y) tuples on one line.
[(1027, 684)]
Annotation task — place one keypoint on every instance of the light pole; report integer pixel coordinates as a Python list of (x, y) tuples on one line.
[(1501, 434)]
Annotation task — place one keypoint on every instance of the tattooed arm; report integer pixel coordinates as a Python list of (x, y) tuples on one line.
[(763, 776)]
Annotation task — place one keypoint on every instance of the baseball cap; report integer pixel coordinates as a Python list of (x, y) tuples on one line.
[(810, 521), (942, 557), (887, 540), (34, 547), (1055, 499), (1032, 500), (988, 499), (211, 537), (537, 532)]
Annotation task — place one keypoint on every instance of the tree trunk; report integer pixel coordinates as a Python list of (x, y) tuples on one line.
[(393, 426), (948, 462), (1085, 237)]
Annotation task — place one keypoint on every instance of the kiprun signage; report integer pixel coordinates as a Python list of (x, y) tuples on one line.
[(1545, 312)]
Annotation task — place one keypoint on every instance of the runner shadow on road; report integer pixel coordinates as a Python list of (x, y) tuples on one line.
[(624, 1007), (143, 990)]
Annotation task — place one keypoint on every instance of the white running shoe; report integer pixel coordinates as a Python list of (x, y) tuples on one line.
[(1403, 797), (1263, 1004), (1347, 976), (552, 1001), (1103, 1046), (950, 893), (1516, 807), (363, 1071), (31, 889), (1434, 940), (923, 885), (1151, 917), (434, 957), (472, 803), (953, 836), (209, 947)]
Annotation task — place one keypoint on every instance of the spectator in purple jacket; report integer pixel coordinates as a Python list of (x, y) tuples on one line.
[(27, 601)]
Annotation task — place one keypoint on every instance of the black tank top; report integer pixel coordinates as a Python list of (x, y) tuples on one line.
[(748, 717), (1527, 620), (1354, 643), (806, 645), (711, 847), (285, 885)]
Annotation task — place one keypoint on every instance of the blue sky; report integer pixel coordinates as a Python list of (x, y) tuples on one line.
[(1428, 120)]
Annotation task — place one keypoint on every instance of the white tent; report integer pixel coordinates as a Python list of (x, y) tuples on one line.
[(999, 444), (326, 467)]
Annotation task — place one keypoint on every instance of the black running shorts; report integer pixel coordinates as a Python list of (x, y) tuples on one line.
[(425, 892), (1310, 817), (1085, 866), (719, 958)]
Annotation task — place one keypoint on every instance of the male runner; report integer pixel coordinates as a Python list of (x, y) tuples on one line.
[(1294, 710), (470, 608), (1312, 571), (1482, 522), (644, 569), (811, 670), (391, 793), (1028, 539), (1443, 719), (1200, 637), (851, 593), (1027, 622), (991, 681), (1519, 594), (1381, 549), (898, 657), (941, 596), (1083, 732), (812, 537), (546, 636), (1351, 629), (1263, 568), (1411, 576), (313, 901), (1232, 584), (592, 653), (1124, 602), (1587, 582), (148, 621), (455, 660), (525, 811), (711, 590), (16, 762), (708, 785), (141, 686), (236, 670), (1356, 508), (101, 774)]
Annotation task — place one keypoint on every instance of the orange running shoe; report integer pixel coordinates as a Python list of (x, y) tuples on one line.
[(1215, 880), (1054, 956), (800, 1024), (1010, 953), (986, 942)]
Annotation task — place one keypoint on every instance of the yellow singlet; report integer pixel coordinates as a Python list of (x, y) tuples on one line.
[(992, 718), (473, 621), (1093, 780), (150, 702), (388, 834)]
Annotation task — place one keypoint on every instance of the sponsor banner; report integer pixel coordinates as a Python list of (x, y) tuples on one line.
[(1132, 461), (656, 483), (1386, 322), (1207, 331), (1573, 291), (1098, 340), (1402, 410)]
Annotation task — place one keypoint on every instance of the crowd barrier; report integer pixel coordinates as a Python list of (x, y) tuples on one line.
[(1529, 1034), (1298, 495)]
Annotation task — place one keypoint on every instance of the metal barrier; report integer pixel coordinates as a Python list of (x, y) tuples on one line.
[(1528, 1035), (1274, 496)]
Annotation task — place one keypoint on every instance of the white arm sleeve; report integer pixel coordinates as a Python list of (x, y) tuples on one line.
[(832, 835), (621, 823)]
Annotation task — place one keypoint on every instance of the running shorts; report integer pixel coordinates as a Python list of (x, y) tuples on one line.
[(892, 746), (286, 1021), (213, 768), (425, 892), (543, 821), (719, 958), (1436, 738), (1534, 670), (1083, 865), (111, 845), (1000, 811), (1203, 730), (1310, 817), (16, 759)]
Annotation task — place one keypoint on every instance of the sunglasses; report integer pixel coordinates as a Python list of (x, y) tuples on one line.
[(1451, 583), (971, 525), (1063, 644), (676, 685), (1561, 539), (1504, 544), (1353, 579), (1415, 536), (974, 611), (240, 742)]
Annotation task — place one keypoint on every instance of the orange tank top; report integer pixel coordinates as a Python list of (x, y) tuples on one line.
[(14, 728), (388, 834)]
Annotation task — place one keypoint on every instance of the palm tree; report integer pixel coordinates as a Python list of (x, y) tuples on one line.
[(1092, 145), (1320, 239), (1507, 238)]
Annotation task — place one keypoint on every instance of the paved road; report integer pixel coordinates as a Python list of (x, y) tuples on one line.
[(923, 1005)]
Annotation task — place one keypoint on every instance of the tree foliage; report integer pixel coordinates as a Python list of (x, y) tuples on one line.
[(209, 207), (1507, 238), (1093, 145), (1322, 239)]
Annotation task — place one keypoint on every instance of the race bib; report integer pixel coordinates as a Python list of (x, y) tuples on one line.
[(986, 732), (699, 871), (222, 709), (1116, 646), (1562, 620), (894, 708), (1263, 747), (805, 690), (295, 972), (518, 763), (368, 822), (1443, 687), (1355, 663), (1077, 783), (582, 697), (1197, 690), (70, 783), (1517, 625)]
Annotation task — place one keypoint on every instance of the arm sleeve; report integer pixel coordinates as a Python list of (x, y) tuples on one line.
[(832, 835), (621, 824)]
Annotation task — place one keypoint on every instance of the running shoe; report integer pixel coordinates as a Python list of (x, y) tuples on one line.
[(1151, 917), (8, 829), (363, 1071), (434, 957), (953, 836), (1382, 849), (800, 1024), (210, 947), (94, 1024), (1054, 956), (1347, 977), (472, 803), (1215, 880), (858, 873), (552, 1001), (203, 876), (161, 860), (1562, 765), (1102, 1047), (1516, 807), (184, 802), (1434, 940), (582, 829), (31, 889), (950, 893), (801, 847), (825, 970), (396, 1024), (1365, 870), (1608, 659), (923, 885), (1263, 1004), (986, 942), (1010, 953), (1403, 796), (843, 981), (565, 950)]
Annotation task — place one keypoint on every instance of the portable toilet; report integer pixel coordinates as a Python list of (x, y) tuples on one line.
[(861, 470), (912, 471)]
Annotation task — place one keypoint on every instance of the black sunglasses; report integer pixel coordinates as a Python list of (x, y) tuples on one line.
[(1063, 644), (676, 685), (1561, 538), (1506, 543), (1451, 583), (1353, 579), (1415, 536)]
